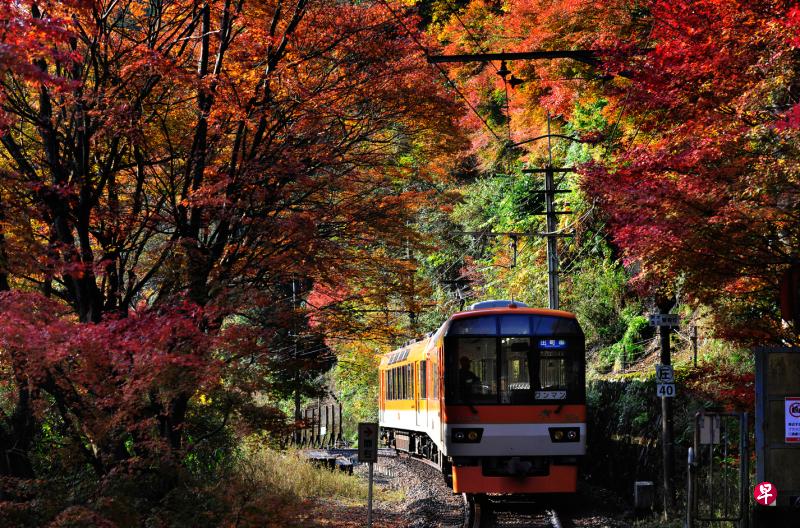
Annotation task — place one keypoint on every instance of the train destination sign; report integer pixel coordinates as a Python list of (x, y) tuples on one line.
[(792, 420)]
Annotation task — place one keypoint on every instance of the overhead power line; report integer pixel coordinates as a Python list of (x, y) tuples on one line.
[(441, 70)]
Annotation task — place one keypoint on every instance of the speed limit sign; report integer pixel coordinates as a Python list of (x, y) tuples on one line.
[(665, 390)]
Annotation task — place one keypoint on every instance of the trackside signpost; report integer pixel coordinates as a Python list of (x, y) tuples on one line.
[(665, 381), (668, 320), (368, 452), (665, 389)]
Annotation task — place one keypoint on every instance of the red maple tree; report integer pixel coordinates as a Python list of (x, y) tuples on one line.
[(166, 171), (697, 168)]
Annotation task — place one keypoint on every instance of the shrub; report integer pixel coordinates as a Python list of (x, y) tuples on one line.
[(630, 347)]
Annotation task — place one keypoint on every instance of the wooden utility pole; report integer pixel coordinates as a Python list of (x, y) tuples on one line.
[(297, 400)]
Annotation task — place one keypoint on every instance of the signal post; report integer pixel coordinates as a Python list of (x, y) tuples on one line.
[(368, 452)]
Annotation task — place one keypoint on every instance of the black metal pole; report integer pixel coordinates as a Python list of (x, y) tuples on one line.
[(667, 437)]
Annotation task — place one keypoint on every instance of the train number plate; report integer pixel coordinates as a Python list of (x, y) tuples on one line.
[(551, 395)]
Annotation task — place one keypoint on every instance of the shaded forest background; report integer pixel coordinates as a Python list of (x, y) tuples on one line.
[(213, 211)]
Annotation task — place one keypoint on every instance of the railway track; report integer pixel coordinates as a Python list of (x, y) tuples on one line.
[(479, 511), (487, 511), (510, 512)]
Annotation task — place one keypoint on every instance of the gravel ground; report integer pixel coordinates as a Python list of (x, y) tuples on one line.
[(429, 503)]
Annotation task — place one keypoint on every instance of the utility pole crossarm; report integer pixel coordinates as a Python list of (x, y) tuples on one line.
[(585, 56), (545, 171)]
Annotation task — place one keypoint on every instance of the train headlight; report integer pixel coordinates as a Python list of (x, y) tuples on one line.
[(572, 435), (467, 436), (565, 434)]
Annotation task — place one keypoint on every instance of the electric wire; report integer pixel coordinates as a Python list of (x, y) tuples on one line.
[(481, 47), (624, 106), (441, 70)]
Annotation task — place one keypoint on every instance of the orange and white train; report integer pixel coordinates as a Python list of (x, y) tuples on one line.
[(495, 397)]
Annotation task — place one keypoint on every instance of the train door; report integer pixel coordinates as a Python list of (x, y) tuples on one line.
[(422, 393)]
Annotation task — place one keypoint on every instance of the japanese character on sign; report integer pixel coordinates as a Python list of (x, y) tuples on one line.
[(665, 374), (765, 494), (671, 320)]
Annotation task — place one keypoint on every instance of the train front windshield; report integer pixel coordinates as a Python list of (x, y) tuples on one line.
[(513, 360)]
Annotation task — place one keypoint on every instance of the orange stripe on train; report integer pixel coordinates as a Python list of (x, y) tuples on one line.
[(562, 479)]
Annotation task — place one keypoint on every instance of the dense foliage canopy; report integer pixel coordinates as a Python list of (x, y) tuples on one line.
[(203, 202), (174, 177), (689, 144)]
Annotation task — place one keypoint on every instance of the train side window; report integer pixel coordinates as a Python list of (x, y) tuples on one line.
[(435, 380), (411, 383), (408, 382), (399, 388), (423, 379)]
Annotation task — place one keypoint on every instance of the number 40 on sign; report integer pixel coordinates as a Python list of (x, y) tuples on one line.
[(665, 390)]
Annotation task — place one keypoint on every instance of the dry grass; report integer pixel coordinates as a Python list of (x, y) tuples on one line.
[(275, 489), (289, 474)]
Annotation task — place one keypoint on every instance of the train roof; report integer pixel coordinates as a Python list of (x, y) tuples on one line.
[(418, 349), (511, 309), (410, 352)]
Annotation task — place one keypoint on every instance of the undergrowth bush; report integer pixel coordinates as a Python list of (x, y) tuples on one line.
[(630, 347), (257, 487)]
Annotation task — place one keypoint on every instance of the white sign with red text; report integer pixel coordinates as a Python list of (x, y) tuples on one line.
[(792, 420)]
